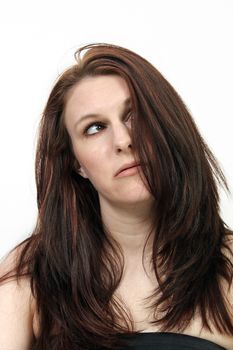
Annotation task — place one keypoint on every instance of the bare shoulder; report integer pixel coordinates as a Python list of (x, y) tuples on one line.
[(16, 311), (228, 288)]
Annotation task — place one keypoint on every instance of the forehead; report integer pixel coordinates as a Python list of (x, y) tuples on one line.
[(96, 94)]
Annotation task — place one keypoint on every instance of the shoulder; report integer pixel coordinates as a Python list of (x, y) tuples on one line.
[(227, 286), (12, 287), (16, 307), (16, 287)]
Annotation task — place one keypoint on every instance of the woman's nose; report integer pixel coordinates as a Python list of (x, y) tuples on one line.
[(121, 137)]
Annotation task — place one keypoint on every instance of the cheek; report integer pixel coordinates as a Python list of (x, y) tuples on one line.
[(93, 157), (91, 163), (90, 152)]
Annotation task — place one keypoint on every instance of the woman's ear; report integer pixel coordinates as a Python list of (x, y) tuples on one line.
[(82, 173), (79, 169)]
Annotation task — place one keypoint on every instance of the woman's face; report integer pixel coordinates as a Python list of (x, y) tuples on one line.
[(101, 141)]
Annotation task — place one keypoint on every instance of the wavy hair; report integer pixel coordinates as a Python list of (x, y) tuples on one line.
[(74, 267)]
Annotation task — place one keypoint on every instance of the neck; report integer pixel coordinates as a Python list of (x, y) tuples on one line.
[(130, 227)]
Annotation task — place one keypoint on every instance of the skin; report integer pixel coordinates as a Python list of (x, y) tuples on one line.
[(124, 201)]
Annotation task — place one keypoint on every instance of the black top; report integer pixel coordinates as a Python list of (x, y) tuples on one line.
[(168, 341)]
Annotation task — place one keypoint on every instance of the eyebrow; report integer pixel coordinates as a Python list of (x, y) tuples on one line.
[(126, 103)]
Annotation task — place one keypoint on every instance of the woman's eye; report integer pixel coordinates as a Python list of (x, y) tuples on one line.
[(92, 126), (129, 116)]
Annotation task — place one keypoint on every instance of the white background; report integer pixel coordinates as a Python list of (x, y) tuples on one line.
[(189, 41)]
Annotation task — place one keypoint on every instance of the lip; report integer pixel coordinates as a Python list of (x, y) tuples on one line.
[(126, 166), (129, 172)]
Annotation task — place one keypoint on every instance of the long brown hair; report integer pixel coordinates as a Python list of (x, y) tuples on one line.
[(73, 266)]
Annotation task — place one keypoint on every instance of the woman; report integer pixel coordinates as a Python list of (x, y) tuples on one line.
[(129, 246)]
